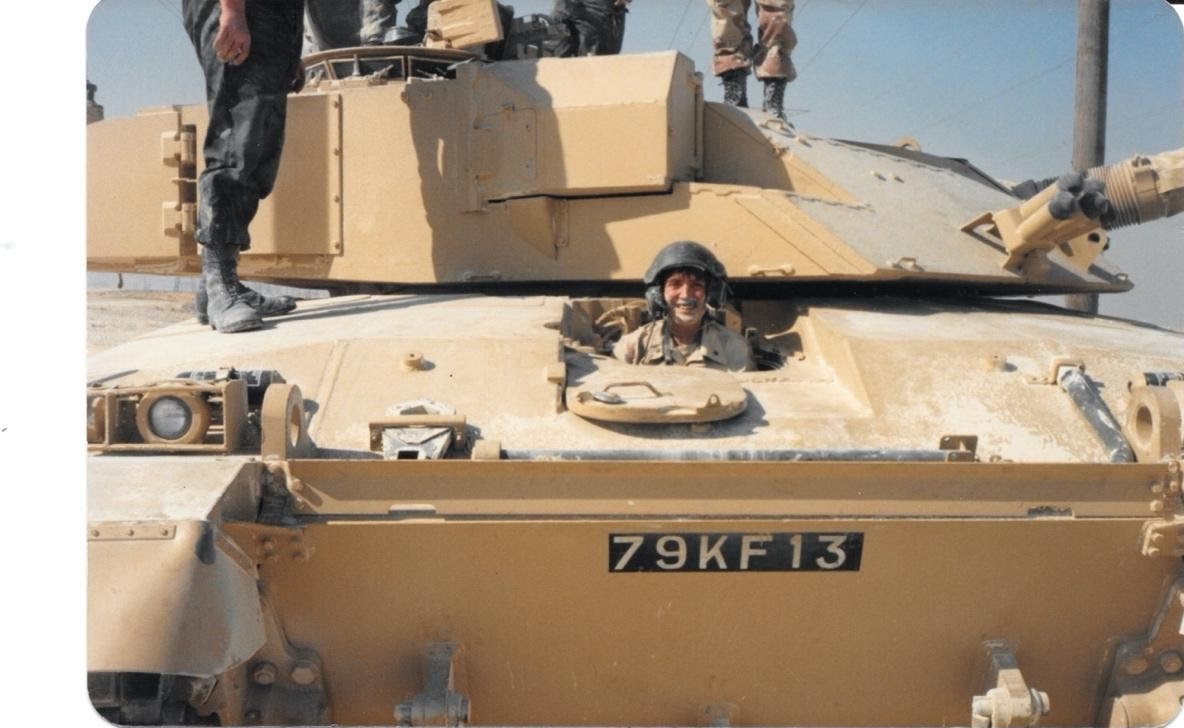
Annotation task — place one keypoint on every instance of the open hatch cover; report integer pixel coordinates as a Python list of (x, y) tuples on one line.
[(611, 391)]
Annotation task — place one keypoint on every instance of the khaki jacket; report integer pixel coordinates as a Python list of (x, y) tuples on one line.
[(719, 347)]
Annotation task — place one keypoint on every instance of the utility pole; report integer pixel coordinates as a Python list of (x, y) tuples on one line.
[(1089, 122)]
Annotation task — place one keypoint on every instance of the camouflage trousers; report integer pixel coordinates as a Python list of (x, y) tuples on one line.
[(594, 27), (731, 37), (378, 17), (333, 24), (247, 108)]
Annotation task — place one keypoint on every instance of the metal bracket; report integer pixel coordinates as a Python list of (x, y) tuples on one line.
[(1009, 701), (1166, 493), (1153, 422), (131, 531), (961, 447), (1147, 681), (438, 704), (720, 715), (283, 684), (1163, 538), (422, 430)]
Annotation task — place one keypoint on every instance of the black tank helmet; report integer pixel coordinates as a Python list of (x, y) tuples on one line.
[(685, 254)]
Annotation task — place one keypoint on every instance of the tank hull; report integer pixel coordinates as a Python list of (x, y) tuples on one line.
[(639, 590)]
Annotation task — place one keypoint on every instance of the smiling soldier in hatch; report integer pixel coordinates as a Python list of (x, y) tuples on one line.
[(682, 282)]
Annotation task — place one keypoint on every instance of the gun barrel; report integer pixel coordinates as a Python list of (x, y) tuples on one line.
[(1141, 189)]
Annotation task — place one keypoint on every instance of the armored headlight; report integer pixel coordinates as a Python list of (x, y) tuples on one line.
[(169, 418), (172, 417)]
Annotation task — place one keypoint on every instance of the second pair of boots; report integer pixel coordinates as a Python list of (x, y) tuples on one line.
[(223, 302), (736, 92)]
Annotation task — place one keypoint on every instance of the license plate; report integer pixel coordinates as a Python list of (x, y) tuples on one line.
[(680, 552)]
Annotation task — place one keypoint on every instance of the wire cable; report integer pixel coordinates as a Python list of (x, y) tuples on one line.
[(945, 60), (678, 26), (962, 110), (832, 36), (698, 30), (171, 9)]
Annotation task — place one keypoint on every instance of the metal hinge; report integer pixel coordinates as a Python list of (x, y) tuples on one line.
[(179, 149), (178, 219)]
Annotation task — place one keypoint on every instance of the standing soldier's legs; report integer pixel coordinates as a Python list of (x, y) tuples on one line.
[(614, 36), (774, 20), (771, 59), (731, 41), (378, 17), (247, 106), (569, 44), (589, 27)]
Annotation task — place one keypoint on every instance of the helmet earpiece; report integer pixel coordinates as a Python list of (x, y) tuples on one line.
[(655, 302)]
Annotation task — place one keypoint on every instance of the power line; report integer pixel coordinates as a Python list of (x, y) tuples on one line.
[(1137, 116), (1012, 87), (702, 22), (678, 26), (174, 11), (933, 66), (832, 36)]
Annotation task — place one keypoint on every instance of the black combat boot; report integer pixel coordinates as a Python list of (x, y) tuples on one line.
[(227, 309), (265, 305), (736, 87), (775, 98)]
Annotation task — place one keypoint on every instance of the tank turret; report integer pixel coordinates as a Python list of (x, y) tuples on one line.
[(456, 172)]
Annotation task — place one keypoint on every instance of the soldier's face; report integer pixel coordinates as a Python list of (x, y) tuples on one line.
[(685, 293)]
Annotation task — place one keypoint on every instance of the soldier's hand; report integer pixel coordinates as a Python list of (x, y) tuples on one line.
[(616, 322), (233, 42)]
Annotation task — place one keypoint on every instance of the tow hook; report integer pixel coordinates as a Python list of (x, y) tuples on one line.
[(1010, 703)]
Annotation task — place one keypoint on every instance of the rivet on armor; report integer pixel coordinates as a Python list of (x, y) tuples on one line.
[(304, 673), (264, 673), (1171, 662), (1135, 665)]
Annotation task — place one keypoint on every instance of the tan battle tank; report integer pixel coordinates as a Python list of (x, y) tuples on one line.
[(439, 500)]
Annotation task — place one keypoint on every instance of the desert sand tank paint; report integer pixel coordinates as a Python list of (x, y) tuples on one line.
[(439, 501)]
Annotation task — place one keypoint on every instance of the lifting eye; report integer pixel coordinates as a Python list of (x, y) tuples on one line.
[(172, 418)]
